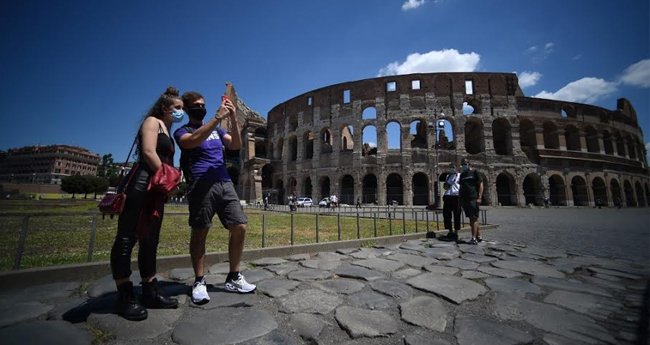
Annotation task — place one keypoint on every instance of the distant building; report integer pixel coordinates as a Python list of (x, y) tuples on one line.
[(46, 164)]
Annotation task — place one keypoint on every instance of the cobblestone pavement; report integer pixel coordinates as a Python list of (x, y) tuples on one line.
[(507, 290)]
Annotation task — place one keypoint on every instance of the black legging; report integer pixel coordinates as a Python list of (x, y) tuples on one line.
[(127, 232), (451, 205)]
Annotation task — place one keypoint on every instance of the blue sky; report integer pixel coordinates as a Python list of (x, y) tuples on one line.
[(84, 72)]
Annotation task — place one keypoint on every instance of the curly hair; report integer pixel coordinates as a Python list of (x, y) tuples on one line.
[(164, 101)]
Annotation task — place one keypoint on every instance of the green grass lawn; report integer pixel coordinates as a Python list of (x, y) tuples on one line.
[(59, 231)]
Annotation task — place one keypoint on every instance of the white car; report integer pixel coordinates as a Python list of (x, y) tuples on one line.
[(325, 202), (304, 202)]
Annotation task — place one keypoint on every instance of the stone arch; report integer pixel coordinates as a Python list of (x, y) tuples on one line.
[(592, 139), (533, 190), (308, 145), (369, 113), (445, 142), (347, 190), (307, 187), (474, 142), (528, 138), (347, 138), (631, 147), (557, 190), (419, 134), (629, 194), (640, 197), (393, 135), (502, 136), (506, 189), (620, 144), (267, 176), (279, 186), (551, 140), (369, 189), (568, 111), (572, 137), (293, 123), (292, 185), (579, 191), (369, 135), (615, 188), (260, 142), (325, 140), (599, 190), (471, 106), (420, 183), (607, 143), (324, 187), (293, 148), (394, 189)]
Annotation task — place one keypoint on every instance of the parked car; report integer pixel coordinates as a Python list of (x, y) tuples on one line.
[(304, 202), (324, 202)]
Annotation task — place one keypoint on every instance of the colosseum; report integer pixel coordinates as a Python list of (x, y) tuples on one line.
[(389, 139)]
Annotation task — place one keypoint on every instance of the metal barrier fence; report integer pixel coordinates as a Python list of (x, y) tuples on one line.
[(45, 239)]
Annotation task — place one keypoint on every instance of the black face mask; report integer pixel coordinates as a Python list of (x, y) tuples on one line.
[(196, 113)]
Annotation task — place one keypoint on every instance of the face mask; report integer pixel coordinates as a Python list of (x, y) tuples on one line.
[(452, 170), (196, 113), (177, 115), (465, 168)]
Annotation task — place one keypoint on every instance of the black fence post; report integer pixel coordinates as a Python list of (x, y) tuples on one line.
[(374, 217), (292, 228), (338, 223), (21, 243), (403, 221), (263, 230), (358, 230), (317, 225)]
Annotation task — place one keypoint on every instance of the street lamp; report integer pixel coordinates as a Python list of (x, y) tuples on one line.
[(439, 125)]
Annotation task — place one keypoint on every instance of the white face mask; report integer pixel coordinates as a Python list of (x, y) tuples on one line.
[(465, 167)]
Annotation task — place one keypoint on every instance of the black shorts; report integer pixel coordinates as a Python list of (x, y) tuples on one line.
[(471, 208), (207, 198)]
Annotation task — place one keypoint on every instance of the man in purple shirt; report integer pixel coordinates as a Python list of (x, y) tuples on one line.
[(210, 190)]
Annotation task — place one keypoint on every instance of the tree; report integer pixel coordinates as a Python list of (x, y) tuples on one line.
[(98, 185), (107, 168), (73, 184)]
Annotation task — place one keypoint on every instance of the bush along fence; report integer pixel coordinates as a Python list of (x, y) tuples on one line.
[(29, 240)]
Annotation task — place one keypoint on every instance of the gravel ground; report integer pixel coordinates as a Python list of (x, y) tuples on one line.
[(609, 232)]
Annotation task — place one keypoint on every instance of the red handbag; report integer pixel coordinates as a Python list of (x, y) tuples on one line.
[(164, 180), (113, 203)]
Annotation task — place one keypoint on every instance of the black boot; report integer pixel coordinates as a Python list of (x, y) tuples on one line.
[(128, 306), (152, 298)]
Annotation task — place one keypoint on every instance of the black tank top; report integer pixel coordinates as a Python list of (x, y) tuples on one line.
[(164, 148)]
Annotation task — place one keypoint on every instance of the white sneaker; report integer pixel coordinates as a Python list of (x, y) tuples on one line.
[(200, 293), (239, 285)]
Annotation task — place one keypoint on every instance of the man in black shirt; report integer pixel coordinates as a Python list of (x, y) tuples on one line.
[(470, 193)]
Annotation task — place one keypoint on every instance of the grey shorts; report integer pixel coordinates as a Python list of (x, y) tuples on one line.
[(207, 198)]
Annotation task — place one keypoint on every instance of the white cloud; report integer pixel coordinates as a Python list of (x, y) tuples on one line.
[(527, 79), (447, 60), (637, 74), (585, 90), (412, 4), (538, 53)]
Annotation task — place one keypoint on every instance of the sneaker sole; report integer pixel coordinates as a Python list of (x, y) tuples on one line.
[(201, 302), (238, 290)]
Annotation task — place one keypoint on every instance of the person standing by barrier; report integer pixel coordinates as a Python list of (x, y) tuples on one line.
[(210, 189), (470, 194), (155, 147), (451, 205)]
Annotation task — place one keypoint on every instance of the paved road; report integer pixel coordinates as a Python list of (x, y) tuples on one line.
[(614, 233)]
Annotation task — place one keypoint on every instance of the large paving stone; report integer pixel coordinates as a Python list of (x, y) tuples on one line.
[(405, 273), (593, 281), (378, 264), (308, 275), (158, 322), (478, 258), (596, 306), (254, 276), (415, 245), (516, 286), (219, 298), (12, 313), (224, 326), (220, 268), (365, 323), (392, 289), (330, 256), (442, 253), (321, 264), (298, 257), (425, 312), (411, 260), (308, 326), (532, 268), (551, 319), (268, 261), (548, 253), (181, 274), (423, 339), (370, 300), (41, 293), (462, 264), (277, 287), (340, 286), (283, 269), (472, 330), (106, 284), (473, 275), (358, 272), (44, 332), (614, 273), (275, 337), (435, 268), (570, 285), (310, 301), (471, 249), (369, 253), (499, 272), (452, 288)]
